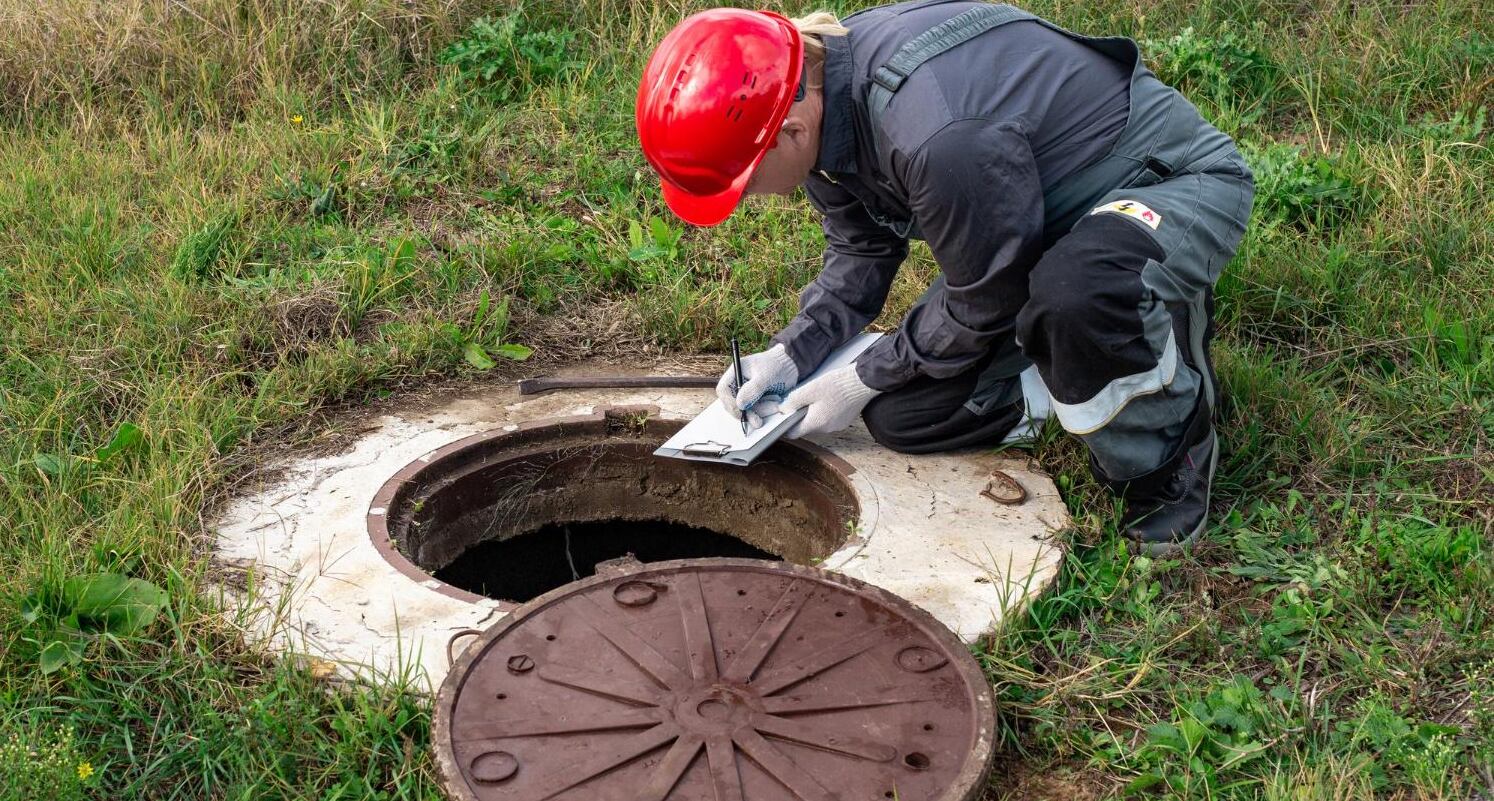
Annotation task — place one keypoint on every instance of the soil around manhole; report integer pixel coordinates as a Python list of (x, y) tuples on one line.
[(524, 567), (487, 515)]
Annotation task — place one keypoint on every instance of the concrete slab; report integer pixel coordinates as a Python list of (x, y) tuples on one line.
[(323, 589)]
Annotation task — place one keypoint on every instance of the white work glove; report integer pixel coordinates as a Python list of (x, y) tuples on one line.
[(834, 401), (770, 373)]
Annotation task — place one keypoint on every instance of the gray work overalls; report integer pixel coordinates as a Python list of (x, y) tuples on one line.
[(1170, 162)]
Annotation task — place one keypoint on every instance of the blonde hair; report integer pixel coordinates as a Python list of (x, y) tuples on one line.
[(812, 28)]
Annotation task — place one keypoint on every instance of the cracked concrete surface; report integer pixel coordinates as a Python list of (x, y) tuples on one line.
[(323, 589)]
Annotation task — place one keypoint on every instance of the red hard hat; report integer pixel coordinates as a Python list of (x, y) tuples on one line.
[(710, 103)]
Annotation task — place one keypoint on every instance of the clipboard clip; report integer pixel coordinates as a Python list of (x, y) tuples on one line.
[(714, 450)]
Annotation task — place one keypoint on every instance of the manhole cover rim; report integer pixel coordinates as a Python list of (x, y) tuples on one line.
[(966, 783), (383, 504)]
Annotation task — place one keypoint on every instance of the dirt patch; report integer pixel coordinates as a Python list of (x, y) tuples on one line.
[(312, 315), (603, 329), (1014, 779), (1468, 480)]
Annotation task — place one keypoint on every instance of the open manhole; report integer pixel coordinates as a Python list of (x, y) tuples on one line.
[(512, 515), (715, 679)]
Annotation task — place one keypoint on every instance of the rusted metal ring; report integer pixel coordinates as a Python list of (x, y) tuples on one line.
[(1004, 489), (388, 513)]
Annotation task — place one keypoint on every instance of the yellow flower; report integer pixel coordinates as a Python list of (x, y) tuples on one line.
[(297, 119), (85, 770)]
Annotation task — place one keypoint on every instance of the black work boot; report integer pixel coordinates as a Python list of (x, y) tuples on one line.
[(1168, 508)]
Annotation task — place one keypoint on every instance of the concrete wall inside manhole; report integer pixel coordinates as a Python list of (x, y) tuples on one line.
[(513, 515)]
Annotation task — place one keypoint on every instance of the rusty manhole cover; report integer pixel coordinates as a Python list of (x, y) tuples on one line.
[(717, 680)]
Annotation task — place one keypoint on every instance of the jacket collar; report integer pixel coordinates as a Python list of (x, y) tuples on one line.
[(837, 123)]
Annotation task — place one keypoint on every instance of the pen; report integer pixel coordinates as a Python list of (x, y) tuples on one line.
[(736, 366)]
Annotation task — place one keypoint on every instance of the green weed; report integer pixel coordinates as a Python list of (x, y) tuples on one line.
[(482, 338), (1228, 72), (1211, 742), (505, 61), (657, 252), (1422, 754), (1466, 125), (201, 250), (1296, 188), (62, 620)]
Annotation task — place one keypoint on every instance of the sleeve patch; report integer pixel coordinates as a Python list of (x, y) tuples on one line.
[(1132, 208)]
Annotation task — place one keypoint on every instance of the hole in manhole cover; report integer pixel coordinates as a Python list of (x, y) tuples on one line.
[(514, 515)]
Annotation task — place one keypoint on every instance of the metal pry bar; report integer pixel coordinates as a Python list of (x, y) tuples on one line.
[(534, 386)]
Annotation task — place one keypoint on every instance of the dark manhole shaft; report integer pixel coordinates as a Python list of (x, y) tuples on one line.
[(737, 680)]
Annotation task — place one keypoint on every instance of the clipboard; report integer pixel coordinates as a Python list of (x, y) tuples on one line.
[(715, 435)]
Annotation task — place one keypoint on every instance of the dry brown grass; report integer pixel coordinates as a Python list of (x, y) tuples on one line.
[(212, 57)]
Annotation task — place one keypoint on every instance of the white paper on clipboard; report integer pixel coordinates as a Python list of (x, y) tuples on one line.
[(715, 435)]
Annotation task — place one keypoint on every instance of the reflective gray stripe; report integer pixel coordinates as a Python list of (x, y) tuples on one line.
[(1092, 415), (1039, 407)]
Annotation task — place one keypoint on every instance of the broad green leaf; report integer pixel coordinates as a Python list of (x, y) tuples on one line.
[(483, 301), (32, 607), (325, 201), (58, 654), (48, 463), (403, 253), (1426, 731), (113, 602), (659, 230), (499, 318), (645, 252), (127, 436), (477, 357), (516, 352), (1194, 733), (635, 235), (1166, 736), (88, 593), (1143, 782), (75, 644)]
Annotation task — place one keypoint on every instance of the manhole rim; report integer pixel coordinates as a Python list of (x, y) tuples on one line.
[(377, 516), (971, 777)]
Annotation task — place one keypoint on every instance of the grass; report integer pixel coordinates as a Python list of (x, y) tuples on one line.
[(219, 219)]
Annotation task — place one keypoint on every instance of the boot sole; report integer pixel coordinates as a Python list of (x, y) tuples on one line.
[(1178, 546)]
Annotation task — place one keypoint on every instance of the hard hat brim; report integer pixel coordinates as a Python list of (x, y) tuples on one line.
[(707, 210)]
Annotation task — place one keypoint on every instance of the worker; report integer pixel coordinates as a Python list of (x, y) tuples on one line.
[(1079, 209)]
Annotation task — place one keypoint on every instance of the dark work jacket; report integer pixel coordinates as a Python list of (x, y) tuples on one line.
[(976, 134)]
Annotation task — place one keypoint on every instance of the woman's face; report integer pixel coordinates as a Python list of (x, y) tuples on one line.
[(789, 162)]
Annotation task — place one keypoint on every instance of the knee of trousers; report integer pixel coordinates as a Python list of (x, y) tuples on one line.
[(1086, 289), (885, 419), (1097, 333)]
